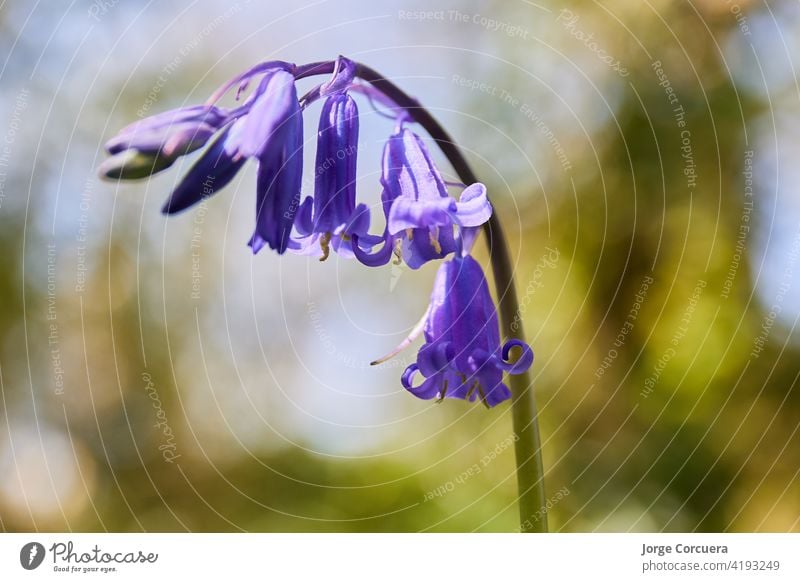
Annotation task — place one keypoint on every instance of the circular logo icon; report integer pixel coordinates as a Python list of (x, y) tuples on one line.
[(31, 555)]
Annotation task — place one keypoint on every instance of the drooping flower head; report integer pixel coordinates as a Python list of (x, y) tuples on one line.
[(420, 213), (462, 356)]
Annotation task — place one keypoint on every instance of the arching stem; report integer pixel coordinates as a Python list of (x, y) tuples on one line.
[(528, 448)]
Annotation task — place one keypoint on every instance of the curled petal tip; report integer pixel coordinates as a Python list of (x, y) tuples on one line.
[(375, 259), (523, 362), (256, 243), (408, 376), (473, 207)]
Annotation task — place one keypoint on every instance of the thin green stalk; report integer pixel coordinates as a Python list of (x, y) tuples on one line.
[(528, 448)]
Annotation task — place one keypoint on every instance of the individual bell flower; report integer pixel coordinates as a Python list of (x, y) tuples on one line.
[(420, 213), (331, 216), (280, 174), (272, 133), (462, 356)]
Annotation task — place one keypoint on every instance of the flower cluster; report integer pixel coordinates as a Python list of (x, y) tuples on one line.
[(462, 356)]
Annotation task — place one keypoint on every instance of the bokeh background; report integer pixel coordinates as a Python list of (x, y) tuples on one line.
[(643, 156)]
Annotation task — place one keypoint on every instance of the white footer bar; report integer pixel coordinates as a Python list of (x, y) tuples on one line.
[(401, 557)]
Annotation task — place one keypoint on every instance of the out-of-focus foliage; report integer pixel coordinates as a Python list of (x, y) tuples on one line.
[(156, 376)]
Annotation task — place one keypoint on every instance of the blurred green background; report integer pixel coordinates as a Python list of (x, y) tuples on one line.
[(643, 157)]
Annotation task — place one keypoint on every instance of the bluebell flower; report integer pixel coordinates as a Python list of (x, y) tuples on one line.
[(420, 213), (462, 356), (272, 133), (331, 216)]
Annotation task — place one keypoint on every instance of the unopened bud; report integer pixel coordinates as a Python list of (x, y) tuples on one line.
[(133, 165)]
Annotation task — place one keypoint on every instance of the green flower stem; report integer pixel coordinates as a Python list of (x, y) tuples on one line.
[(528, 448)]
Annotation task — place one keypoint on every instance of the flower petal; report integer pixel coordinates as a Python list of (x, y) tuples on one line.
[(304, 222), (280, 176), (430, 388), (410, 213), (275, 104), (358, 224), (278, 196), (336, 159), (308, 246), (434, 358), (497, 394), (242, 78), (466, 240), (376, 259), (409, 171), (473, 208), (419, 249)]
